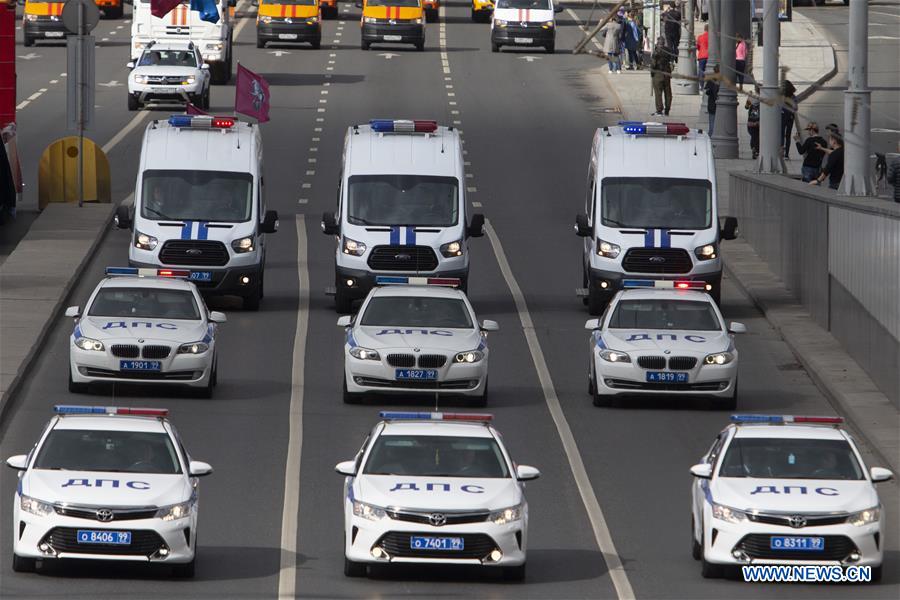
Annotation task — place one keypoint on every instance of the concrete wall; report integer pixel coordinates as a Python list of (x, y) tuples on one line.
[(840, 257)]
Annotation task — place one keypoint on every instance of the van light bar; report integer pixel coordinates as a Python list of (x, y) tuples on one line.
[(664, 284), (434, 416), (202, 121), (403, 280), (651, 128), (402, 126), (136, 272), (75, 409), (784, 419)]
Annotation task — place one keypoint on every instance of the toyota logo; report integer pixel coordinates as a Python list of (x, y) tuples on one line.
[(104, 514), (797, 521), (194, 251), (658, 259), (437, 519)]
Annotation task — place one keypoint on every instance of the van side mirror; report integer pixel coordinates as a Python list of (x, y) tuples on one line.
[(329, 224), (489, 325), (735, 327), (19, 462), (880, 474), (557, 8), (592, 324), (527, 473), (347, 467), (122, 218), (476, 227), (204, 67), (73, 311), (199, 469), (270, 222), (582, 227), (729, 230)]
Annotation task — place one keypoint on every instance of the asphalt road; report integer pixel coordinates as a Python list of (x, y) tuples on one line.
[(527, 120)]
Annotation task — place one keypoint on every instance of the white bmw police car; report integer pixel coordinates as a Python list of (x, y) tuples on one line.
[(663, 338), (783, 490), (144, 326), (107, 483), (416, 335), (435, 488)]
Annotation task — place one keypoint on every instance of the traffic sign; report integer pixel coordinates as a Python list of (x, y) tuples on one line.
[(70, 15)]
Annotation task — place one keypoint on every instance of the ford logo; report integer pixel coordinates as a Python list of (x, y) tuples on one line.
[(198, 252), (657, 259), (402, 257)]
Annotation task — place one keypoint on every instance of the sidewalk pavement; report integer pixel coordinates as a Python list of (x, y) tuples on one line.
[(35, 281)]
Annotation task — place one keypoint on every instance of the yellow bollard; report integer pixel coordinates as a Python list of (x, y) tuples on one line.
[(58, 173)]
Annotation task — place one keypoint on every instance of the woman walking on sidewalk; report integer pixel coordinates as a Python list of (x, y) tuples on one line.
[(740, 61), (612, 31)]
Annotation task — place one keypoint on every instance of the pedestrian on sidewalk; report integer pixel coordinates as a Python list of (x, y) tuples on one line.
[(611, 34), (810, 150), (752, 106), (834, 164), (788, 110), (893, 172), (740, 61), (661, 77), (712, 94), (702, 53), (631, 35), (672, 28)]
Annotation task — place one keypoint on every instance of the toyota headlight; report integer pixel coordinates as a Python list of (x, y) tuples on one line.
[(35, 506), (507, 515), (607, 249), (89, 344), (706, 252), (265, 20), (352, 247), (144, 241), (452, 249), (243, 245), (472, 356), (364, 353), (719, 358), (370, 20), (193, 348), (140, 79), (368, 511), (728, 514), (864, 517), (175, 511), (614, 356)]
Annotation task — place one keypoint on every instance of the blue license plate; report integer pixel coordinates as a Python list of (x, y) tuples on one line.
[(413, 374), (200, 276), (140, 365), (94, 536), (792, 543), (436, 543), (666, 377)]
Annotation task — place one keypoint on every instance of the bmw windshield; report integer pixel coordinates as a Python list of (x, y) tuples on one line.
[(416, 311), (145, 303), (416, 200), (664, 314), (656, 203)]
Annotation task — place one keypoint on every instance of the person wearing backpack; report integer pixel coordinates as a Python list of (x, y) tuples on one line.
[(752, 106)]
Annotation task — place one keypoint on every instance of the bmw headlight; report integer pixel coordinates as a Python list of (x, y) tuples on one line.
[(368, 511), (193, 348), (706, 252), (35, 506), (352, 247), (364, 353), (614, 356), (243, 245), (370, 20), (719, 358), (507, 515), (472, 356), (607, 249), (864, 517), (89, 344), (728, 514), (175, 511), (265, 20), (140, 79), (144, 241)]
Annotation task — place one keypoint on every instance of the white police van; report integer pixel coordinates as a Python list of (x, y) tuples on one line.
[(650, 210), (199, 205), (401, 207)]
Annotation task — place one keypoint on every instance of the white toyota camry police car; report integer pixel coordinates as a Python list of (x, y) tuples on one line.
[(663, 338), (435, 488), (107, 483), (416, 335), (169, 72), (782, 490), (144, 326)]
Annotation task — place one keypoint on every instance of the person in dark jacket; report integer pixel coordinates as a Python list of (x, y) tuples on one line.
[(712, 94), (752, 106), (631, 34), (810, 150), (834, 164), (672, 28), (788, 110), (893, 172), (661, 77)]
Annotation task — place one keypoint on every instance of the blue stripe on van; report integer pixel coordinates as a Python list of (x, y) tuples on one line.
[(186, 230), (202, 231), (410, 236), (648, 238), (395, 235), (664, 238)]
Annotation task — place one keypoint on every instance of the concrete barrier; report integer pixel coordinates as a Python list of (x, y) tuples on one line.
[(838, 256)]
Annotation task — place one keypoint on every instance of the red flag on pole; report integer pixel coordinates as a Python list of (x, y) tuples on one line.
[(193, 110), (251, 94), (160, 8)]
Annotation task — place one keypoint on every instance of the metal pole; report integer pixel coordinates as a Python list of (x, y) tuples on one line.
[(79, 103), (771, 156), (687, 54), (715, 11), (857, 179), (725, 139)]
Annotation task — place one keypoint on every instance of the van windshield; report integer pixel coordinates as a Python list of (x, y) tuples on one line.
[(403, 200), (533, 4), (408, 3), (656, 202), (197, 196)]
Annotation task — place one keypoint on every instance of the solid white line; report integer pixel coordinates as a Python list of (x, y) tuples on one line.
[(598, 522), (287, 576), (240, 26), (22, 104), (124, 131)]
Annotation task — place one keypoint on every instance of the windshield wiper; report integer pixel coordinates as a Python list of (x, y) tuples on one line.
[(157, 213)]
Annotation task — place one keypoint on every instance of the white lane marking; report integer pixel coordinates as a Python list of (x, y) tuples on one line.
[(311, 172), (306, 186), (124, 131), (324, 92), (287, 575), (313, 149), (320, 119), (471, 189), (63, 74), (311, 160), (476, 205), (303, 201), (315, 139), (321, 110), (318, 129), (279, 53), (588, 497), (22, 104), (34, 96), (104, 39), (54, 81)]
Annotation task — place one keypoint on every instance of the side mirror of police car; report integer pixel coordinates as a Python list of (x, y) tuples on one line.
[(592, 324), (476, 227), (348, 467), (734, 327), (878, 474), (123, 218), (199, 469), (19, 462), (488, 325), (270, 222), (217, 317), (329, 224), (129, 65), (703, 470), (526, 473), (344, 321), (582, 227), (729, 230), (204, 67), (73, 311)]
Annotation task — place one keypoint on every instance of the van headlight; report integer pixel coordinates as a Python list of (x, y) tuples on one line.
[(452, 249), (719, 358), (30, 17), (265, 20), (370, 20), (507, 515), (35, 506), (215, 46), (189, 80), (175, 511), (417, 21), (706, 252), (243, 245), (548, 25), (368, 511), (614, 356), (471, 356), (865, 517), (728, 514), (89, 344), (352, 247), (500, 23), (607, 249), (193, 348), (144, 241), (312, 20), (364, 353), (140, 78)]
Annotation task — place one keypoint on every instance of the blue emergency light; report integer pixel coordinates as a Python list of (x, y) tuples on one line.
[(136, 272), (783, 419), (403, 280), (665, 284), (402, 126), (433, 416), (202, 122), (650, 128), (76, 409)]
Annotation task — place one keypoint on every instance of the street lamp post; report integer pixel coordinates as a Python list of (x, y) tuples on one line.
[(725, 140), (771, 157), (857, 179), (687, 54)]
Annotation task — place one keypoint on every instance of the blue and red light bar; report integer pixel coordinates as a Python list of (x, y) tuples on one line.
[(75, 409), (664, 284), (136, 272), (402, 126), (650, 128), (785, 419), (403, 280), (392, 415), (202, 122)]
